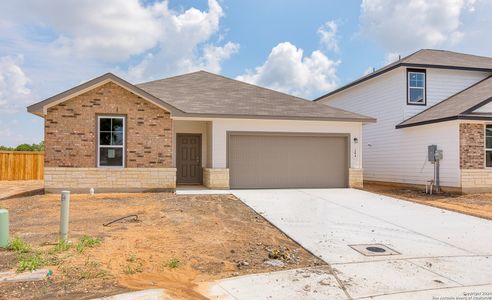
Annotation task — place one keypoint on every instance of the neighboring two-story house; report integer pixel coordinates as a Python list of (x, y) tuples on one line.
[(431, 97)]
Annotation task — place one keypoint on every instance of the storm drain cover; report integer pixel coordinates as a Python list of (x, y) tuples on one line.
[(374, 249)]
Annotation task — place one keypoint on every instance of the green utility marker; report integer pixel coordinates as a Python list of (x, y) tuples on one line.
[(4, 228)]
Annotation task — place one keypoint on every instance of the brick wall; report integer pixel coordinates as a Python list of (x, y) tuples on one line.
[(70, 129), (472, 148)]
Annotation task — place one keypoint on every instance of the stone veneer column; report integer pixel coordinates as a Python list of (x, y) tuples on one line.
[(356, 178), (216, 178)]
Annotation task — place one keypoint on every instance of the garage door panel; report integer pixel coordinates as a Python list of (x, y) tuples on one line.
[(287, 161)]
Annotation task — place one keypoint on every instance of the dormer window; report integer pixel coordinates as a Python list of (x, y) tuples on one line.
[(416, 83)]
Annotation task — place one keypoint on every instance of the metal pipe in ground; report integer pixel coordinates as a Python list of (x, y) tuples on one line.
[(64, 215)]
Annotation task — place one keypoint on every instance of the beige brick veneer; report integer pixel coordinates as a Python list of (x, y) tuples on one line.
[(476, 181), (109, 179), (71, 129), (472, 147), (356, 178), (216, 178)]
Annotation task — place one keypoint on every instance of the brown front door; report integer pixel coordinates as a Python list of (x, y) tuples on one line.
[(189, 158)]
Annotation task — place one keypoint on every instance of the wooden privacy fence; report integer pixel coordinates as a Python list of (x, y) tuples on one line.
[(21, 165)]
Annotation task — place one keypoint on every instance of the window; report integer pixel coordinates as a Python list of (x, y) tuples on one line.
[(416, 87), (488, 146), (111, 141)]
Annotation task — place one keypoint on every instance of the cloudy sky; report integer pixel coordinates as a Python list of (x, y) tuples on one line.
[(306, 48)]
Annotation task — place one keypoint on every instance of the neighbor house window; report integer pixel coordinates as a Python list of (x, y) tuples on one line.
[(111, 141), (416, 87), (488, 146)]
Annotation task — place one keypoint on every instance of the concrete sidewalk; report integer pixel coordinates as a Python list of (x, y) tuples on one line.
[(19, 188), (440, 253)]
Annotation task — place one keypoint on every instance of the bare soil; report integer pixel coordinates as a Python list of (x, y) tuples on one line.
[(212, 237), (479, 205)]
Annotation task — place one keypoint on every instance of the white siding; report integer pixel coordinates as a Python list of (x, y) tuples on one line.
[(442, 84), (400, 155), (487, 108), (220, 127)]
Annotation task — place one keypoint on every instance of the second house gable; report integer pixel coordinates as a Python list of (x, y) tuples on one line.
[(388, 96)]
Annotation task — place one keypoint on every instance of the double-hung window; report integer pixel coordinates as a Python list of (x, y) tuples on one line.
[(488, 146), (111, 141), (416, 82)]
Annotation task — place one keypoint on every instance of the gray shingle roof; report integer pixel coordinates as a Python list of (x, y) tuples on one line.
[(458, 106), (204, 93), (430, 58)]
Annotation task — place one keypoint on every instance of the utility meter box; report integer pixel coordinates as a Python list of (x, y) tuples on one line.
[(431, 153), (438, 155)]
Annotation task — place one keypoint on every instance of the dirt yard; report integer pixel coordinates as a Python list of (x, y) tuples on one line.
[(479, 205), (177, 242)]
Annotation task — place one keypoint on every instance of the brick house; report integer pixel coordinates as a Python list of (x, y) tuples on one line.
[(197, 128), (431, 97)]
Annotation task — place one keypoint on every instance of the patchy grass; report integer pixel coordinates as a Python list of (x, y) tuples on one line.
[(90, 269), (29, 262), (87, 242), (61, 246), (173, 263), (19, 246), (133, 266)]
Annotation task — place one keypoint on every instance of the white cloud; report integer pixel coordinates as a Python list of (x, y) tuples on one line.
[(391, 57), (328, 36), (14, 90), (115, 32), (288, 70), (213, 56), (110, 30), (403, 25), (185, 43)]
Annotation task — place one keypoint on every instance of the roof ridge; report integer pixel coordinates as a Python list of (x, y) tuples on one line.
[(455, 52), (257, 86), (443, 101), (171, 77), (231, 79)]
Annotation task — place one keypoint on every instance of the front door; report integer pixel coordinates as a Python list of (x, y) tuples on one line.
[(189, 158)]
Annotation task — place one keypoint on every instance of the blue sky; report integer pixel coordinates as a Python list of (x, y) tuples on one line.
[(306, 48)]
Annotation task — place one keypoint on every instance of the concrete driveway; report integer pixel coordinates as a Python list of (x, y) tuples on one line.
[(438, 253)]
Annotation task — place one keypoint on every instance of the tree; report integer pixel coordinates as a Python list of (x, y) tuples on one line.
[(24, 147)]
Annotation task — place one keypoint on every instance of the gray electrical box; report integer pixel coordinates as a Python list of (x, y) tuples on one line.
[(431, 153)]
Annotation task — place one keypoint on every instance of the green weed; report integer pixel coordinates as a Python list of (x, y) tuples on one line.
[(173, 263), (19, 246), (87, 242)]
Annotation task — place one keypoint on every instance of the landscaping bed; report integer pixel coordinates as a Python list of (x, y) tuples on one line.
[(176, 243), (479, 205)]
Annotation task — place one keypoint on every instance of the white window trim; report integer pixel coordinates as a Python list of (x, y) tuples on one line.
[(485, 146), (416, 87), (111, 146)]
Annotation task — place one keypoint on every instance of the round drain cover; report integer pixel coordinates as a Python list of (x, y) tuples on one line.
[(376, 249)]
